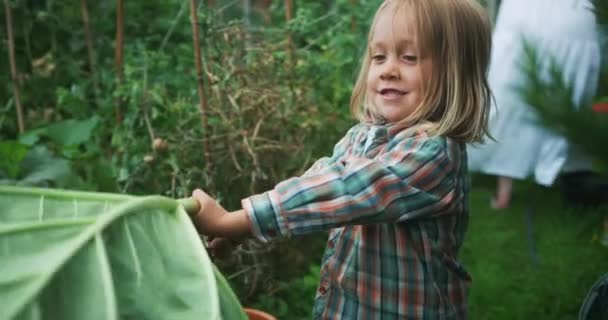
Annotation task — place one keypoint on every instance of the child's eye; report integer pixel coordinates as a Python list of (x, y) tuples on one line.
[(410, 58), (378, 57)]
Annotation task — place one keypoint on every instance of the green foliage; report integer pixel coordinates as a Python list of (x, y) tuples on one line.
[(58, 155), (547, 91), (534, 260), (297, 108), (269, 116), (12, 153), (78, 255), (293, 299), (552, 97), (37, 166), (40, 168)]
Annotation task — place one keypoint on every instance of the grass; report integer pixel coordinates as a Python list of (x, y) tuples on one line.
[(542, 274), (535, 260)]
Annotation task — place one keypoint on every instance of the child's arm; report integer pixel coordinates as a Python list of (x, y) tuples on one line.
[(417, 178), (213, 220)]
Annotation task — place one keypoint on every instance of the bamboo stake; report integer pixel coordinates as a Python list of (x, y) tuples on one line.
[(290, 50), (13, 63), (118, 55), (200, 82), (90, 50), (288, 17)]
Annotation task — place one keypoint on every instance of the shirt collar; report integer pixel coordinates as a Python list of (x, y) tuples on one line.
[(386, 131)]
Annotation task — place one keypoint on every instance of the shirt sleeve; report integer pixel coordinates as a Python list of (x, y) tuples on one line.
[(340, 149), (414, 179)]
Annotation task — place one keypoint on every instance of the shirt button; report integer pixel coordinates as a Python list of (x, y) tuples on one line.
[(322, 290), (330, 244)]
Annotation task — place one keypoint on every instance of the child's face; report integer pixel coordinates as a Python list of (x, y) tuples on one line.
[(395, 82)]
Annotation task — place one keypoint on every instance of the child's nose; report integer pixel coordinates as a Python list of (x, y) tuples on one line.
[(390, 71)]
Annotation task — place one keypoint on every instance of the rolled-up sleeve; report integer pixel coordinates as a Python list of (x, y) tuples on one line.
[(414, 179)]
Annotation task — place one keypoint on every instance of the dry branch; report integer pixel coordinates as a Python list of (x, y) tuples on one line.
[(200, 82), (13, 63)]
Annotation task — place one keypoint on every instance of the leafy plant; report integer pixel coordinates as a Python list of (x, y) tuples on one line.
[(56, 155), (293, 299), (267, 119), (551, 97), (76, 255), (33, 167)]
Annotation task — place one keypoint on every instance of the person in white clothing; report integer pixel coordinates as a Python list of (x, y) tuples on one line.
[(564, 32)]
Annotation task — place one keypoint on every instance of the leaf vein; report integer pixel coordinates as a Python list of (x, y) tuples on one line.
[(133, 250), (41, 208)]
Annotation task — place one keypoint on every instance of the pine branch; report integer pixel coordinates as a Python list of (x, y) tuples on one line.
[(551, 98)]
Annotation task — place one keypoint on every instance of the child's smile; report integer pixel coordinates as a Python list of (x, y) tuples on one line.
[(392, 94), (395, 81)]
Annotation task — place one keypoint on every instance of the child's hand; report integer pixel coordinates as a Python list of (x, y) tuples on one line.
[(213, 220), (210, 214)]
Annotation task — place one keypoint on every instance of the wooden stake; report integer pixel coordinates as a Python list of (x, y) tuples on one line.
[(200, 82), (288, 17), (90, 48), (118, 55), (13, 63)]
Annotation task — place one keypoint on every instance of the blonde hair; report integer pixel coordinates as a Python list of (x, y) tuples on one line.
[(456, 36)]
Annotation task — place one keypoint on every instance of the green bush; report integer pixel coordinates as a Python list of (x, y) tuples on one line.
[(269, 116)]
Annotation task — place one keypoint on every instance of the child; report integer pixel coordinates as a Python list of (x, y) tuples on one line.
[(394, 193)]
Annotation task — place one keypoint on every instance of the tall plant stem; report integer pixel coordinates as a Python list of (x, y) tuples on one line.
[(290, 50), (288, 17), (200, 83), (118, 55), (13, 63), (144, 102), (90, 48)]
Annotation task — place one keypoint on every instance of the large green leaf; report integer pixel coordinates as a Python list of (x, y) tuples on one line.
[(77, 255), (41, 168), (72, 131), (65, 133)]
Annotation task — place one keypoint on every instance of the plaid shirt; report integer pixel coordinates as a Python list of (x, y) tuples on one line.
[(395, 200)]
